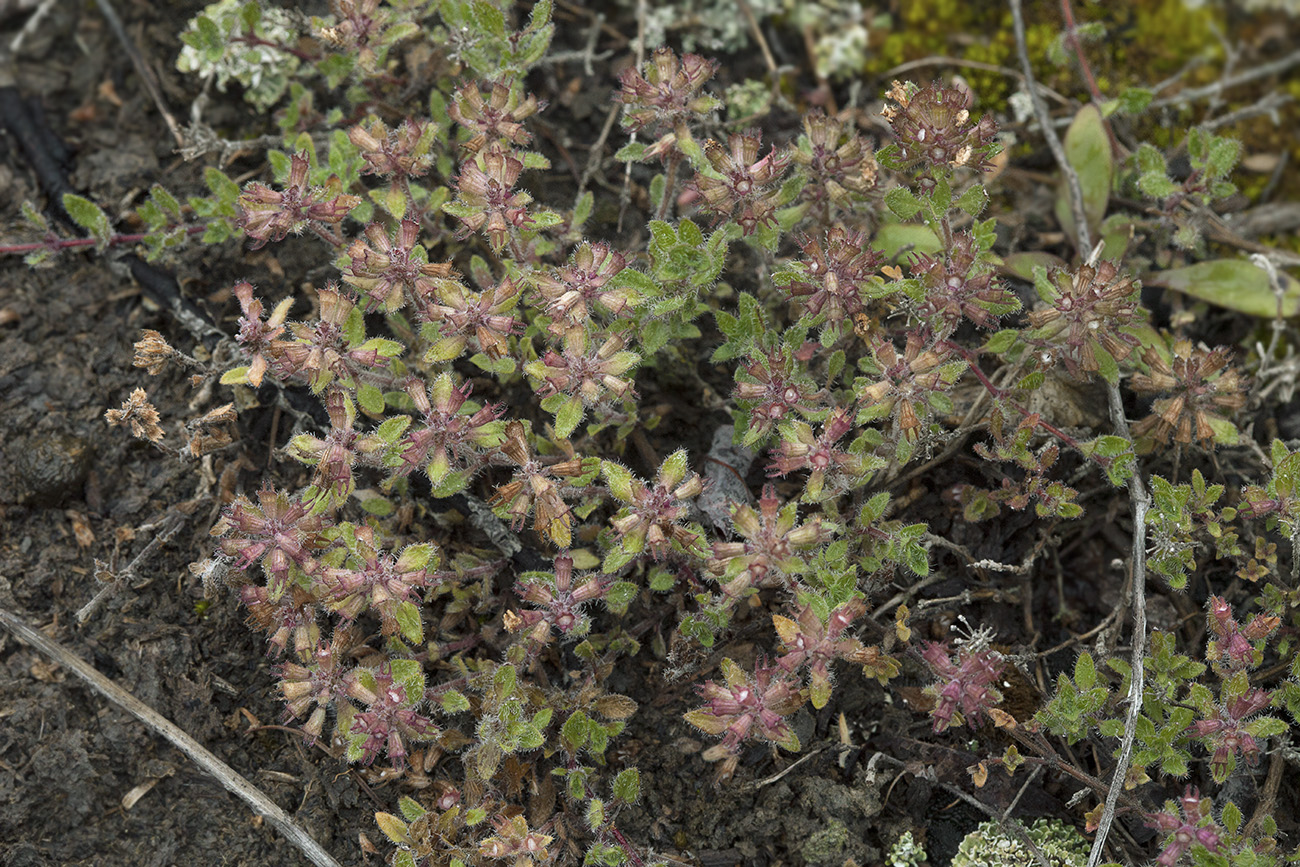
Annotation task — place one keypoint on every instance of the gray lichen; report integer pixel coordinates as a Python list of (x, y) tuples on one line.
[(990, 846)]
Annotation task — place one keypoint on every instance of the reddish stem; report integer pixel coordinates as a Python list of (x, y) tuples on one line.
[(1000, 394), (55, 243)]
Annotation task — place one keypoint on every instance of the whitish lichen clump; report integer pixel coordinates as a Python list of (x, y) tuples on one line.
[(990, 846)]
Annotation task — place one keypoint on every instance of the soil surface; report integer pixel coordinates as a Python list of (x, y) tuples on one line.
[(84, 783)]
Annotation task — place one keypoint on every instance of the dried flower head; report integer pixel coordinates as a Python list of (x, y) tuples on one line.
[(447, 436), (487, 198), (933, 128), (767, 555), (260, 340), (1200, 388), (838, 276), (532, 489), (140, 414), (571, 290), (746, 706), (152, 352), (1188, 821), (388, 270), (909, 385), (957, 286), (966, 686), (654, 515)]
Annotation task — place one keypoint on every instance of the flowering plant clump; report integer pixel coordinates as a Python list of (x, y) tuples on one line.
[(500, 500)]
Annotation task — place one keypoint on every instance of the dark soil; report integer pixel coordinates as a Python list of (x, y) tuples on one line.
[(77, 499)]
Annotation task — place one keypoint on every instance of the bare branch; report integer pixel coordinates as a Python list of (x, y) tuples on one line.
[(226, 775)]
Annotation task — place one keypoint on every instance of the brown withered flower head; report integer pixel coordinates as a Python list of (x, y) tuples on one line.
[(582, 368), (258, 338), (140, 414), (1200, 388), (269, 215), (838, 162), (666, 97), (363, 26), (933, 128), (533, 489), (1084, 315), (747, 187), (152, 352), (457, 313), (766, 553), (499, 118), (770, 387)]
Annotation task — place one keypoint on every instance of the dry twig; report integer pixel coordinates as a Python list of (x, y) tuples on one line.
[(1139, 501), (224, 774)]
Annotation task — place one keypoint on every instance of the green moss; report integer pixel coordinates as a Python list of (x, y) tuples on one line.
[(827, 845)]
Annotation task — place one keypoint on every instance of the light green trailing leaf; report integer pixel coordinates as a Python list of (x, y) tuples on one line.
[(408, 621), (380, 507), (90, 217), (1087, 147), (895, 238), (582, 210), (903, 203), (627, 786), (235, 376), (488, 18), (1232, 283), (569, 416), (630, 152), (370, 399)]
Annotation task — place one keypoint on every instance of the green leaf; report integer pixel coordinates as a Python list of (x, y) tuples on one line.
[(903, 203), (90, 217), (1085, 671), (893, 238), (973, 200), (370, 399), (408, 621), (235, 376), (392, 199), (410, 674), (1231, 817), (575, 731), (630, 152), (488, 18), (627, 786), (453, 702), (569, 416), (394, 828), (1232, 283), (1001, 341), (1087, 148), (380, 507), (619, 480), (582, 209)]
